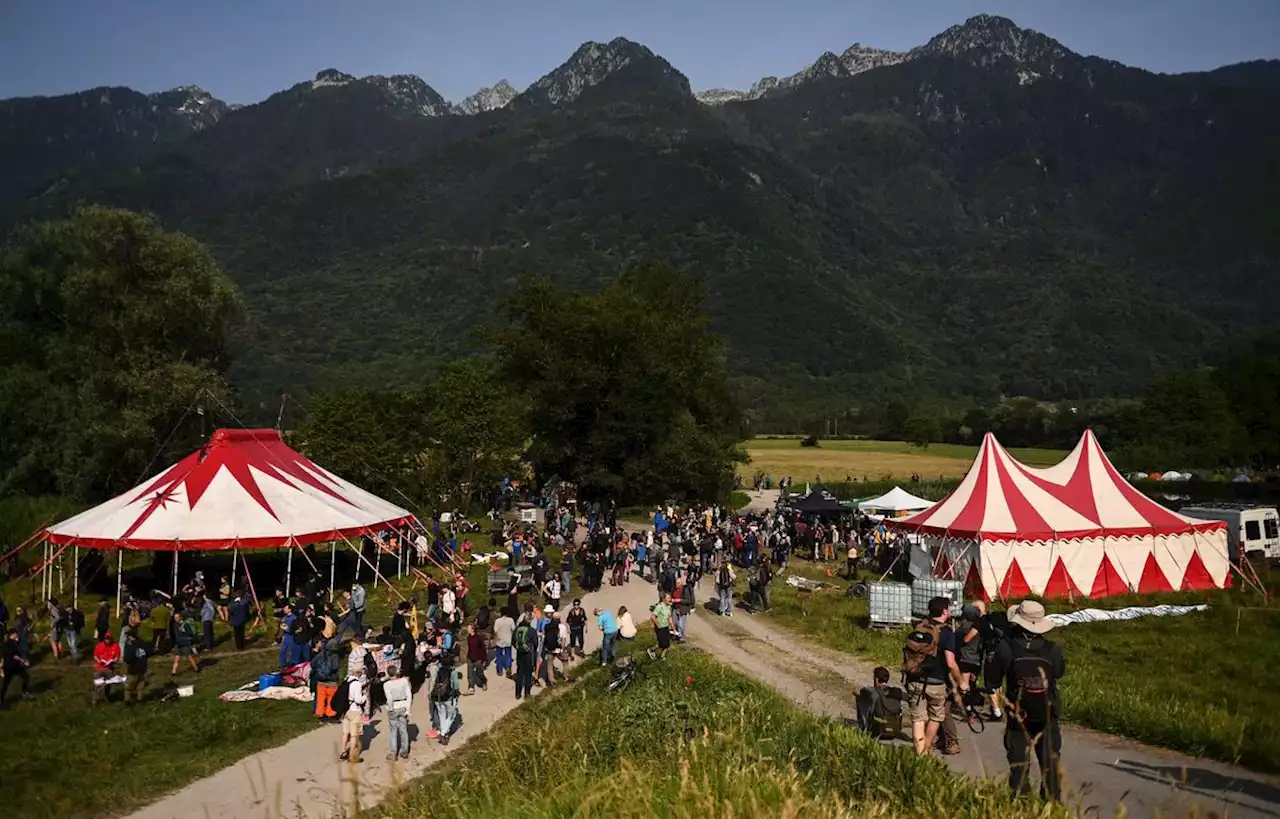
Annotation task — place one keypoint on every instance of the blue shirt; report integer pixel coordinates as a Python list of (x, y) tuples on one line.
[(607, 622)]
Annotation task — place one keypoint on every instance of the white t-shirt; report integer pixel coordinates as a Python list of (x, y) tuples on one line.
[(553, 589), (399, 694), (447, 600), (355, 696)]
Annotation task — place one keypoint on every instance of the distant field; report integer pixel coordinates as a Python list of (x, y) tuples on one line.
[(834, 460)]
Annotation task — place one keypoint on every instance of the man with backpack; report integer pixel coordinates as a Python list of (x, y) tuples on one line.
[(724, 587), (928, 661), (444, 697), (184, 644), (880, 707), (524, 642), (1030, 667)]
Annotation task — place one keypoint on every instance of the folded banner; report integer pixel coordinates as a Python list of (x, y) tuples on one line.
[(1131, 613)]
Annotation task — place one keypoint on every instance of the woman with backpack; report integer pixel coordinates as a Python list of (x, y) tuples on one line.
[(444, 699)]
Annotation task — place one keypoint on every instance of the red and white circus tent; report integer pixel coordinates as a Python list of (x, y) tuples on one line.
[(1074, 529), (244, 490)]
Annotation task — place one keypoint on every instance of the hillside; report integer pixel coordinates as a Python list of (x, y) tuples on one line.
[(988, 213)]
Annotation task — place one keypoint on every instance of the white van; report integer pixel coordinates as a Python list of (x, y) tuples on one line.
[(1255, 530)]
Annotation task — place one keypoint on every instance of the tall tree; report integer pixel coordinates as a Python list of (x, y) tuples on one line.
[(378, 440), (478, 427), (626, 388), (109, 328)]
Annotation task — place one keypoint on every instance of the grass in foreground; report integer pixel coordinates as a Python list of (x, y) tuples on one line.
[(1190, 683), (836, 460), (691, 738)]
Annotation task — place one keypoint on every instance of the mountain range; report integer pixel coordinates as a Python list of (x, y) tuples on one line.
[(988, 213)]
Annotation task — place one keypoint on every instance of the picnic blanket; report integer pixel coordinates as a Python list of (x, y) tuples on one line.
[(804, 583), (275, 692), (1130, 613)]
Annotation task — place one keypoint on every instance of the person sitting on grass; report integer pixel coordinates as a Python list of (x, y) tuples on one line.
[(105, 656), (626, 625)]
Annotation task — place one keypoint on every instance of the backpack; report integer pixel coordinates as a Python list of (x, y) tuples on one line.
[(341, 701), (880, 712), (921, 649), (442, 688), (1032, 678), (320, 665), (722, 577), (551, 639), (523, 640)]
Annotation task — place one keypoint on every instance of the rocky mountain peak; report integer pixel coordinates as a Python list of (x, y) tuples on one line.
[(987, 37), (490, 98), (593, 63), (191, 103), (331, 76)]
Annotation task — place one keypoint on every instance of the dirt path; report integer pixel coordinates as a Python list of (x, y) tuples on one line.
[(1103, 772), (304, 778)]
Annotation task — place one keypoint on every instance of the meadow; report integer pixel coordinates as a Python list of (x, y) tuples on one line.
[(1199, 683), (167, 744), (690, 739), (834, 461)]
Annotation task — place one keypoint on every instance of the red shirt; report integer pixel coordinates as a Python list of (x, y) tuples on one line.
[(104, 655)]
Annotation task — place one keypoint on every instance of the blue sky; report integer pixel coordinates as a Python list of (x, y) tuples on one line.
[(244, 50)]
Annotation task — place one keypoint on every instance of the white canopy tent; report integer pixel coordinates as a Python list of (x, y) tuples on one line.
[(896, 499)]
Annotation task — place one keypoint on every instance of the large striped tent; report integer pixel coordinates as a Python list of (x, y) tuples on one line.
[(1074, 529), (245, 489)]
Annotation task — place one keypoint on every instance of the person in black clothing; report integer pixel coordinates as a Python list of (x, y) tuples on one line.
[(103, 624), (577, 622), (1029, 667), (15, 666)]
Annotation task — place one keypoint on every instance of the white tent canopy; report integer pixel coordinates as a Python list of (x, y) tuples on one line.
[(896, 499)]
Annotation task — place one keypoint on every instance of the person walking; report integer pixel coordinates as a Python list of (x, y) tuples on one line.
[(929, 660), (238, 617), (504, 629), (477, 659), (15, 667), (525, 644), (184, 644), (661, 619), (577, 622), (724, 586), (135, 666), (683, 607), (103, 623), (444, 697), (399, 694), (358, 600), (72, 625), (608, 626), (1030, 666), (208, 613), (353, 719)]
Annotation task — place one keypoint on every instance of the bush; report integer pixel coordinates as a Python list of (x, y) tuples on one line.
[(811, 441)]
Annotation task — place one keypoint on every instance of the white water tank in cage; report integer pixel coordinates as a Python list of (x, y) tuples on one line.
[(890, 603), (925, 589)]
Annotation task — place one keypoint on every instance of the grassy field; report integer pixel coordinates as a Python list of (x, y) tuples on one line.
[(861, 459), (689, 739), (166, 745), (1200, 683)]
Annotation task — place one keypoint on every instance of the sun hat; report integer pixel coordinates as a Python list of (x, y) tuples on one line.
[(548, 609), (1030, 616)]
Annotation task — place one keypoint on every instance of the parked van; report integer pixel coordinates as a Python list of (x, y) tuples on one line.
[(1255, 530)]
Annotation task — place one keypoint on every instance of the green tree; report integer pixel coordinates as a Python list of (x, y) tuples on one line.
[(922, 430), (377, 440), (478, 428), (1251, 383), (109, 329), (1185, 422), (626, 388)]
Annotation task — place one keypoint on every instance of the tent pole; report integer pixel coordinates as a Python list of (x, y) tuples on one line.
[(378, 575), (75, 578), (358, 557), (288, 572), (252, 591), (235, 553), (333, 567), (119, 577), (44, 574), (61, 575), (175, 571)]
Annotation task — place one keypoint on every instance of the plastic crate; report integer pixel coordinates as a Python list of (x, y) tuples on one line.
[(925, 589), (890, 603)]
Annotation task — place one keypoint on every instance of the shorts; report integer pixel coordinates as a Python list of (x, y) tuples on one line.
[(928, 702), (970, 668), (664, 637), (183, 651)]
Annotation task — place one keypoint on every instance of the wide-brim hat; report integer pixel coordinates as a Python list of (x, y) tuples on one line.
[(1030, 616)]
